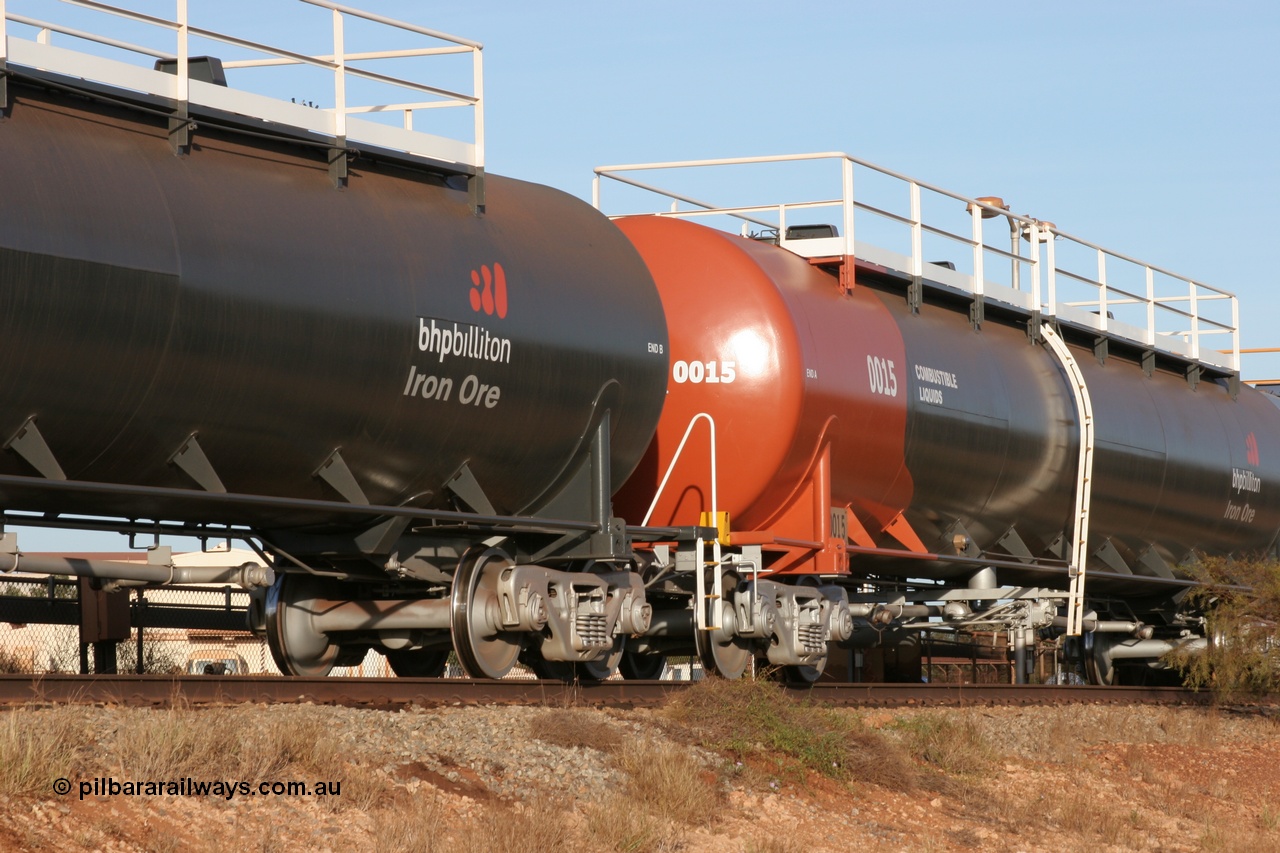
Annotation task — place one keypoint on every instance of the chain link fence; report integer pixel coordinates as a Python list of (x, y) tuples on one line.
[(188, 631)]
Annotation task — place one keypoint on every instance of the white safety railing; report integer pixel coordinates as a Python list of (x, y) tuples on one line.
[(900, 222), (131, 66)]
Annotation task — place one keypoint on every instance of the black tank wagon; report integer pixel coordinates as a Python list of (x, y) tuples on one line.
[(462, 413)]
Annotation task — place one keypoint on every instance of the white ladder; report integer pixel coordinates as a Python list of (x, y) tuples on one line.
[(1084, 479)]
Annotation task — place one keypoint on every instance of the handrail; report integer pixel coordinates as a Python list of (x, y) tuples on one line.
[(327, 120), (1173, 314), (711, 425)]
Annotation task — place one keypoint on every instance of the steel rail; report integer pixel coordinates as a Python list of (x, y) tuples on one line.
[(198, 690)]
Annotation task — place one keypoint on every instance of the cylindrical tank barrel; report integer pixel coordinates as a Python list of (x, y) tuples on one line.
[(235, 295), (935, 435)]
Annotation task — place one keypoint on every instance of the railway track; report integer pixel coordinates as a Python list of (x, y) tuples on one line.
[(163, 691)]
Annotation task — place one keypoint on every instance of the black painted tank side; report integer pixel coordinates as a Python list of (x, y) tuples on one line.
[(236, 294), (993, 438)]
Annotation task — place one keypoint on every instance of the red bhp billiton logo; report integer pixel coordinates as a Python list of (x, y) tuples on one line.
[(489, 290), (1251, 445)]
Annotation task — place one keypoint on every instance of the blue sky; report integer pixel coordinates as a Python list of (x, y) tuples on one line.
[(1147, 127)]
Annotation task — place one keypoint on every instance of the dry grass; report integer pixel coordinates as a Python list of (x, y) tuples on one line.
[(758, 720), (38, 746), (538, 826), (952, 745), (239, 743), (410, 825), (1142, 769), (1218, 837), (575, 728), (15, 662), (1081, 813), (364, 789), (616, 824), (669, 783), (774, 844), (1198, 728)]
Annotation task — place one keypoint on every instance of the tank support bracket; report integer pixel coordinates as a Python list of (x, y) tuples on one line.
[(475, 191), (190, 458), (977, 312), (915, 294), (338, 476), (464, 486), (340, 157), (28, 443), (1033, 328), (180, 127)]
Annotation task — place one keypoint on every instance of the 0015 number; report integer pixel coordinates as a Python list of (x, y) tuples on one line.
[(703, 371), (883, 379)]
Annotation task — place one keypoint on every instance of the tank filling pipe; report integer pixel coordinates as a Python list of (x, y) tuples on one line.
[(1108, 626), (886, 614), (246, 575), (1139, 649)]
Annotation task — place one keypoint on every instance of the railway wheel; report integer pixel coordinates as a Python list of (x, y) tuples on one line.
[(719, 649), (638, 667), (296, 646), (1097, 659), (483, 651), (418, 663)]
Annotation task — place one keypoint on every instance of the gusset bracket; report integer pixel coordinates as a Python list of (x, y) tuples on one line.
[(464, 486), (190, 458), (335, 473), (180, 128), (475, 191), (30, 445)]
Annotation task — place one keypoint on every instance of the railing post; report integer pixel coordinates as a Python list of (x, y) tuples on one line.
[(4, 58), (1046, 306), (977, 311), (1235, 334), (846, 190), (339, 81), (1195, 322), (338, 153), (1102, 289), (180, 121), (478, 91), (1151, 307), (1036, 236), (978, 272), (475, 185), (184, 89), (917, 233)]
